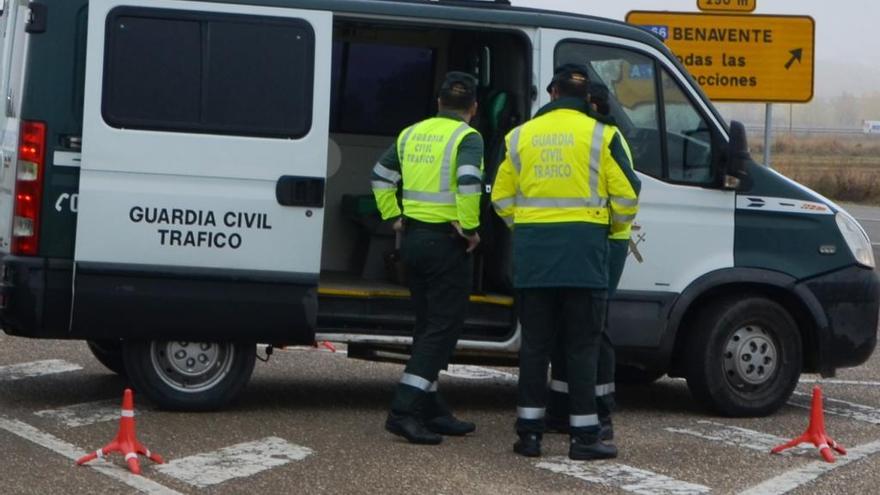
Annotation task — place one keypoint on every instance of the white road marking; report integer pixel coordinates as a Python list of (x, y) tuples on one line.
[(84, 414), (737, 437), (798, 477), (469, 372), (236, 461), (621, 476), (72, 452), (19, 371), (834, 381), (839, 407)]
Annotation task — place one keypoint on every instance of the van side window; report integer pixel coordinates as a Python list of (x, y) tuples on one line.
[(668, 137), (378, 88), (689, 142), (210, 73)]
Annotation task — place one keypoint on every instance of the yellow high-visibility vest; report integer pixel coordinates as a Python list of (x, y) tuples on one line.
[(559, 168), (428, 153)]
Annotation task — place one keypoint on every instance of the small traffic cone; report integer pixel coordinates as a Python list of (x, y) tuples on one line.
[(815, 433), (326, 345), (125, 442)]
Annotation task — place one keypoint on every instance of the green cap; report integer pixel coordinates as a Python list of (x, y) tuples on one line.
[(570, 72), (459, 84)]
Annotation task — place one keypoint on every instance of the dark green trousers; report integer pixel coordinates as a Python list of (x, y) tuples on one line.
[(439, 274), (558, 405), (578, 315)]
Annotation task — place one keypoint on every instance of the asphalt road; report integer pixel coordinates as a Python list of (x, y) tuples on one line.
[(311, 422)]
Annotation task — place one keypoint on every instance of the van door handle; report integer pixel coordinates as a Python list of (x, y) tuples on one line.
[(292, 190)]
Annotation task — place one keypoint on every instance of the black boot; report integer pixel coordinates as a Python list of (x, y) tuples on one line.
[(587, 447), (529, 445), (410, 428), (437, 417), (449, 425)]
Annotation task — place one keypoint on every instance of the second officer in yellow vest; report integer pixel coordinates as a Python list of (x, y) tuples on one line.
[(553, 188), (618, 249), (439, 162)]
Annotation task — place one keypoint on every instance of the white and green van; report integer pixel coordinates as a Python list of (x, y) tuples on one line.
[(185, 179)]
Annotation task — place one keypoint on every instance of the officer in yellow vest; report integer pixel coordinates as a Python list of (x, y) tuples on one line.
[(439, 162), (618, 249), (553, 188)]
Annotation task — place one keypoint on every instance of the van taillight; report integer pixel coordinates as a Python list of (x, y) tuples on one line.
[(29, 188)]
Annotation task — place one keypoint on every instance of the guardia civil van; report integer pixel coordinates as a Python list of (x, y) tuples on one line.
[(183, 180)]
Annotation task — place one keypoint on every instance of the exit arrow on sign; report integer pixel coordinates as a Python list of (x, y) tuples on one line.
[(796, 54)]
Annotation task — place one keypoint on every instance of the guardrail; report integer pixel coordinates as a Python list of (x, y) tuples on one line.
[(779, 130)]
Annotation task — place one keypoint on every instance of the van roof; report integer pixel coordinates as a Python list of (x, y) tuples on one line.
[(479, 11)]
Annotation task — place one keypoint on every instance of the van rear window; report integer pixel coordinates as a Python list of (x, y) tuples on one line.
[(210, 73)]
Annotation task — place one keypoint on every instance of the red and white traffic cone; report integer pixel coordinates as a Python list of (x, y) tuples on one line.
[(815, 433), (126, 441)]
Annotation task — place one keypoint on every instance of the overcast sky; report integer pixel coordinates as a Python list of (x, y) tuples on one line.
[(847, 31)]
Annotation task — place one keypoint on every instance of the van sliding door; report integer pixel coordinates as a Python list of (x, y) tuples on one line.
[(203, 168)]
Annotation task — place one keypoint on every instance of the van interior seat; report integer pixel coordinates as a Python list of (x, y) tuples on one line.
[(376, 239)]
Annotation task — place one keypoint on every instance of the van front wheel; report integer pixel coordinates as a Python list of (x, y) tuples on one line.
[(189, 376), (744, 356)]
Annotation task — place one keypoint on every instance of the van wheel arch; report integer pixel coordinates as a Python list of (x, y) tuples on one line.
[(742, 282)]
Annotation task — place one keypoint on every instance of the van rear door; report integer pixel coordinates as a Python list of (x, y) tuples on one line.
[(204, 159), (12, 24)]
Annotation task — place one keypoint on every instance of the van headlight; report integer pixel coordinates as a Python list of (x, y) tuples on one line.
[(856, 239)]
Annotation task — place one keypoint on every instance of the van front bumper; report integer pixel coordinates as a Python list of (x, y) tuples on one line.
[(850, 302)]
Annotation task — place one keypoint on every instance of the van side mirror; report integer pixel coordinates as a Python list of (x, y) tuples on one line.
[(737, 156)]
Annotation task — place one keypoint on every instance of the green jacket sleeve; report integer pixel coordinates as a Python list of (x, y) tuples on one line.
[(385, 178), (469, 181)]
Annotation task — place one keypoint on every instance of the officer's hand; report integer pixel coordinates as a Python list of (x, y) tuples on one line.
[(473, 241)]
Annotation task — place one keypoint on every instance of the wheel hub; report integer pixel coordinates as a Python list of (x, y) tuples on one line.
[(191, 366), (750, 357)]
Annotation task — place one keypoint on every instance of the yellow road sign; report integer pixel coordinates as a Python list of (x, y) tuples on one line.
[(727, 5), (766, 58)]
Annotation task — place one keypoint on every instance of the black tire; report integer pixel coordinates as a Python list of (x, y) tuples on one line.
[(743, 357), (108, 353), (630, 375), (189, 376)]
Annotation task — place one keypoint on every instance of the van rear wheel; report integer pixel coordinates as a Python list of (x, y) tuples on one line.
[(189, 376), (744, 356)]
